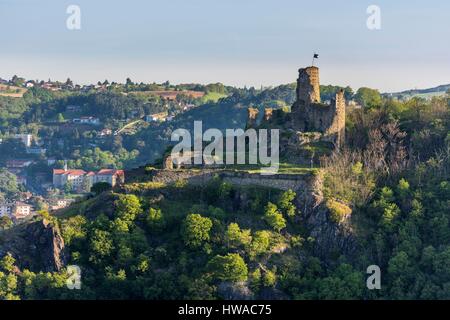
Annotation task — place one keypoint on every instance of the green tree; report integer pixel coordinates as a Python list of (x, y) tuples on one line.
[(369, 98), (286, 203), (274, 218), (101, 246), (229, 268), (260, 244), (8, 183), (403, 188), (155, 220), (8, 286), (196, 230), (236, 237), (128, 207), (74, 228), (68, 188), (7, 263), (269, 278)]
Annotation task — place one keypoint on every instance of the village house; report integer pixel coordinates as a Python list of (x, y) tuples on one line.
[(110, 176), (188, 107), (16, 210), (5, 209), (29, 84), (21, 210), (87, 120), (105, 132), (62, 177), (80, 179), (60, 203), (156, 117), (87, 88), (50, 86)]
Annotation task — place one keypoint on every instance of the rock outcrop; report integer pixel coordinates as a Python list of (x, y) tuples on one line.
[(235, 291), (330, 237), (37, 246)]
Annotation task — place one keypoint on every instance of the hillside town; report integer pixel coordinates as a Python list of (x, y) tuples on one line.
[(48, 160)]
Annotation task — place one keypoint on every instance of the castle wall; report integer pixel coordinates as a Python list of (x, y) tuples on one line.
[(296, 182), (336, 128)]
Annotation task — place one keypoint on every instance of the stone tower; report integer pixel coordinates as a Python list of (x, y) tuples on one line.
[(337, 127), (310, 115), (308, 85)]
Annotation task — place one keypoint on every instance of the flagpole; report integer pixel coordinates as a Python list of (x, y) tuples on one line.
[(315, 55)]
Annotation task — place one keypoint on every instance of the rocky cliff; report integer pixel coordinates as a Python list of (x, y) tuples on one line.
[(330, 237), (37, 246)]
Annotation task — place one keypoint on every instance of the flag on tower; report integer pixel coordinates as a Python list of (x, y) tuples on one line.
[(315, 56)]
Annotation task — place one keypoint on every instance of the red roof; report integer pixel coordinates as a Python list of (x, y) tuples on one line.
[(110, 172), (75, 172), (79, 172)]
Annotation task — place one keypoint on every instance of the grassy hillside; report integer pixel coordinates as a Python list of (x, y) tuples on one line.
[(12, 91)]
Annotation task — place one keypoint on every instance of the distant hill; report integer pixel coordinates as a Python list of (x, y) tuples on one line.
[(422, 93)]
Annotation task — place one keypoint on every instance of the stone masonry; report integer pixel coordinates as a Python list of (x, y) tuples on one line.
[(309, 114)]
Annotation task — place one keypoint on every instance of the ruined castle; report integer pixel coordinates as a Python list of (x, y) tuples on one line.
[(308, 114)]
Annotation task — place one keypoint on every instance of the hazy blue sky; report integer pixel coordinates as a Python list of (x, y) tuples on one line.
[(237, 42)]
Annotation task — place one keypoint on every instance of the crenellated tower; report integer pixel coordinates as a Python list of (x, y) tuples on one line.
[(310, 115), (308, 85)]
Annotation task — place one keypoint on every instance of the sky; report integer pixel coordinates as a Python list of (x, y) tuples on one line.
[(236, 42)]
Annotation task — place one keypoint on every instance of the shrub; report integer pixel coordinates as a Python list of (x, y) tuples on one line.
[(260, 243), (155, 220), (338, 211)]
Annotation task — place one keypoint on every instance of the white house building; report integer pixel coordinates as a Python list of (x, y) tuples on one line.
[(87, 120), (80, 178)]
